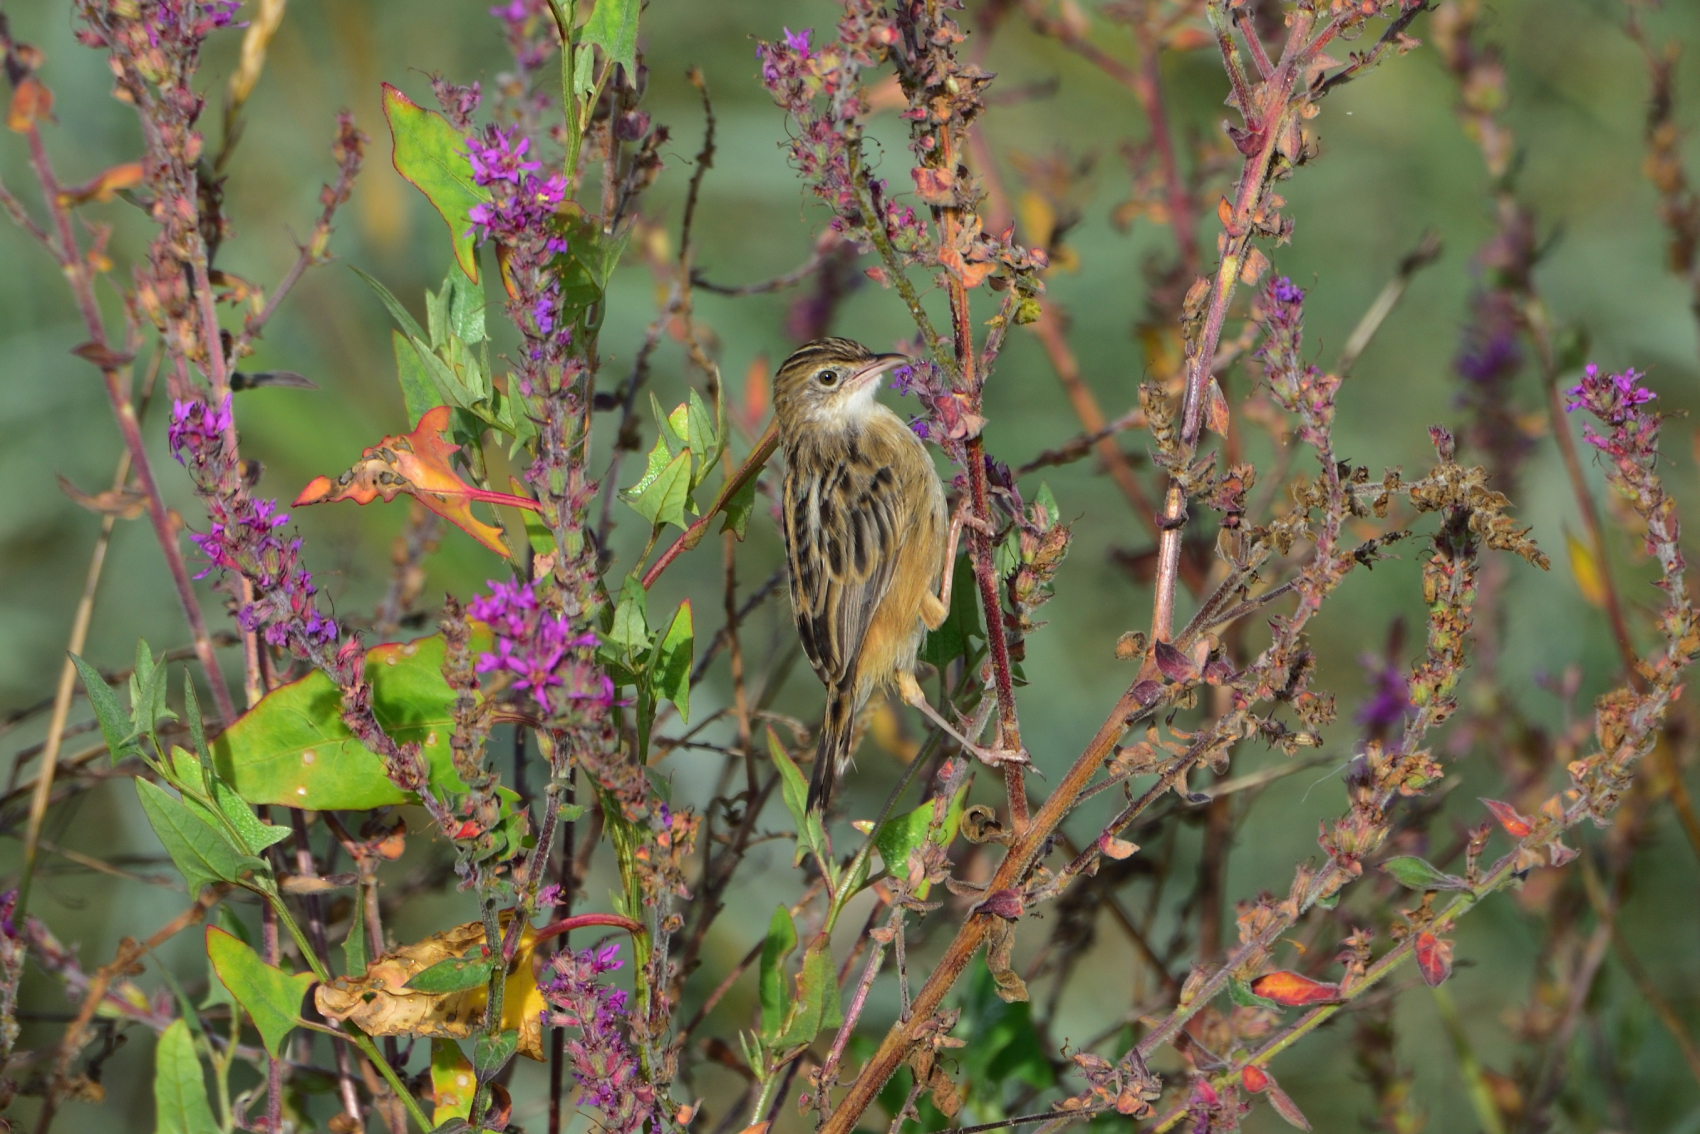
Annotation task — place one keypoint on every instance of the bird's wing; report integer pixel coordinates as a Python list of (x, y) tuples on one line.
[(842, 524)]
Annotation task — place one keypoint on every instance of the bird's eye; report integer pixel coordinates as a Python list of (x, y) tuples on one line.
[(827, 377)]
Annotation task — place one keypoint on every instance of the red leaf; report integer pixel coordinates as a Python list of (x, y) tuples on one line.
[(31, 101), (417, 464), (1287, 1108), (1434, 958), (1254, 1078), (1173, 664), (1515, 825), (1292, 990)]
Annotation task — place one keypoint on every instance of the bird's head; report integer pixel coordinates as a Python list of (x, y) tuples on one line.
[(829, 382)]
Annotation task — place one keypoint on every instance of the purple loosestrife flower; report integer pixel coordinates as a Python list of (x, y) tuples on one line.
[(1390, 701), (1490, 352), (1616, 400), (601, 1057), (538, 647), (243, 534), (1296, 385)]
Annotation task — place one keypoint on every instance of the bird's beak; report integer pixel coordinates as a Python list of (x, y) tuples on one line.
[(880, 364)]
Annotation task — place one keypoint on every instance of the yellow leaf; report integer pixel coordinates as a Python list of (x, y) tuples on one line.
[(1586, 570), (380, 1003)]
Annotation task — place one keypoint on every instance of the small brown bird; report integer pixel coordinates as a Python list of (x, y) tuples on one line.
[(866, 538)]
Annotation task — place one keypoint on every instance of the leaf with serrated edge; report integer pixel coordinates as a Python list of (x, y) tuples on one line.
[(663, 501), (179, 1088), (271, 997)]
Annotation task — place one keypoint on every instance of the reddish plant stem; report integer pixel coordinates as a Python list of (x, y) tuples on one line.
[(115, 379), (1266, 116)]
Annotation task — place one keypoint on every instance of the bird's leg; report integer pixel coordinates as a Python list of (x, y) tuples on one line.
[(936, 608), (910, 690)]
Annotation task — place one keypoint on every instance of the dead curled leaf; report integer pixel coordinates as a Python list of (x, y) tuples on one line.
[(417, 464), (380, 1003), (124, 503)]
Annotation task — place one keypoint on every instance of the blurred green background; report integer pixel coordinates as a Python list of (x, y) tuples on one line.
[(1393, 163)]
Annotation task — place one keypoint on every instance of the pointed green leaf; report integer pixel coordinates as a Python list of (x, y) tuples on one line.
[(179, 1087), (613, 27), (418, 391), (663, 500), (225, 918), (793, 788), (147, 694), (900, 835), (271, 997), (584, 69), (293, 749), (491, 1053), (738, 507), (399, 313), (781, 940), (631, 618), (670, 673), (1415, 873), (432, 155), (701, 437), (354, 945), (114, 722), (816, 1003), (202, 851), (255, 835)]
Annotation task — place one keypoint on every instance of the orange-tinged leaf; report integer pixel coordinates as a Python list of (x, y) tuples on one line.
[(1434, 958), (1515, 825), (1254, 1078), (417, 464), (31, 101), (105, 186), (756, 387), (1292, 990), (1585, 569)]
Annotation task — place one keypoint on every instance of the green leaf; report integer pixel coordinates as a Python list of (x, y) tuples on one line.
[(781, 940), (399, 313), (432, 154), (293, 749), (418, 391), (147, 694), (677, 424), (1003, 1045), (953, 638), (794, 789), (631, 618), (670, 673), (613, 27), (1415, 873), (202, 851), (179, 1087), (455, 974), (354, 945), (226, 920), (1241, 994), (901, 835), (738, 507), (584, 69), (457, 310), (571, 811), (255, 835), (453, 1082), (270, 996), (491, 1053), (114, 722), (816, 1003), (664, 500)]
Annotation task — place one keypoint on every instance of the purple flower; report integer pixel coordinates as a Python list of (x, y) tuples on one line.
[(1284, 290), (798, 42), (194, 422), (538, 647), (1390, 703), (600, 1056)]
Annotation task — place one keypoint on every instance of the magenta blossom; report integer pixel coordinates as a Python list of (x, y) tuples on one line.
[(538, 648)]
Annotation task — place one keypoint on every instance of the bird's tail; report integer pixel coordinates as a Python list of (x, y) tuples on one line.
[(837, 739)]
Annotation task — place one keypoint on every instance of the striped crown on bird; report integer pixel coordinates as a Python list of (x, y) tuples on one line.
[(867, 540)]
